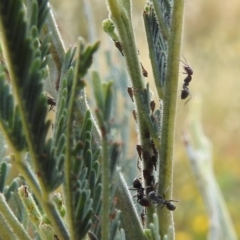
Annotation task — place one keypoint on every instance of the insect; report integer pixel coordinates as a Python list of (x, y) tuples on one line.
[(185, 92), (139, 150), (51, 102), (154, 161), (118, 46), (155, 152), (134, 115), (188, 70), (155, 198), (152, 106), (144, 71), (141, 197), (130, 92)]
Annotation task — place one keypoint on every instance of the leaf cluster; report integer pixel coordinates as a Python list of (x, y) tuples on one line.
[(46, 154)]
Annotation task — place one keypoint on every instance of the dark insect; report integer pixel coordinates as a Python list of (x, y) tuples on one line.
[(51, 102), (155, 198), (187, 68), (154, 161), (130, 92), (152, 106), (139, 150), (185, 92), (155, 152), (139, 166), (146, 174), (118, 46), (141, 197), (144, 72), (136, 184), (134, 115)]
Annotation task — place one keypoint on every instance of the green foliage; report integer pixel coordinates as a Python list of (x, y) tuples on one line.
[(71, 155), (10, 120), (70, 185), (23, 112), (74, 154)]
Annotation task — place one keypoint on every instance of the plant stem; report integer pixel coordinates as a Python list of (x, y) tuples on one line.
[(170, 97), (105, 181), (121, 16), (69, 144)]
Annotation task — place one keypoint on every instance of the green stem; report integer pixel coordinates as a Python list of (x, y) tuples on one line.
[(121, 16), (67, 170), (166, 154), (122, 19), (105, 181), (69, 143)]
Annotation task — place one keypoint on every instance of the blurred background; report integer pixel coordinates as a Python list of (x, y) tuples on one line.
[(211, 45)]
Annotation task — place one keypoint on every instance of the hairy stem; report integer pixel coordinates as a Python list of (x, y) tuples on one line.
[(166, 154), (106, 193), (121, 15)]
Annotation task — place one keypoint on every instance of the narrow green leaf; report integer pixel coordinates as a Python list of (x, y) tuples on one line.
[(88, 136), (83, 174), (87, 147), (81, 206), (86, 224), (114, 225), (97, 197), (43, 12), (97, 154), (154, 231), (108, 102), (98, 93), (88, 160), (3, 175), (96, 166), (92, 181), (85, 184), (61, 145), (84, 126)]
